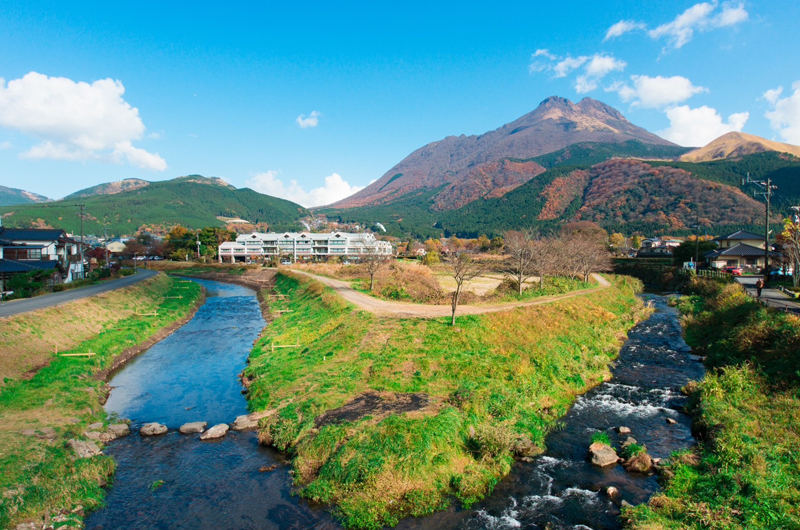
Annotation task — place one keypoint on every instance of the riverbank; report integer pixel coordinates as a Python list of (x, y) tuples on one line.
[(747, 471), (49, 399), (388, 417)]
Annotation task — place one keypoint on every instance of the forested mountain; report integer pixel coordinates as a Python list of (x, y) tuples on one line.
[(465, 168), (11, 196), (193, 202), (109, 188), (626, 195)]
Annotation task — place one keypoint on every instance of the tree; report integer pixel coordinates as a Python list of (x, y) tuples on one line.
[(462, 268), (520, 258), (586, 255), (636, 241), (686, 251), (790, 243), (588, 229), (616, 240), (372, 258), (496, 243), (483, 243), (433, 245)]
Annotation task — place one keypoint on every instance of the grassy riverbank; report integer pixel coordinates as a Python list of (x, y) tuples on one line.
[(747, 475), (390, 417), (52, 400)]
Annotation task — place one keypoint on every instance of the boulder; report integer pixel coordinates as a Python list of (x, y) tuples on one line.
[(629, 441), (193, 427), (25, 526), (217, 431), (119, 430), (612, 492), (623, 430), (524, 447), (248, 422), (94, 435), (96, 425), (152, 429), (670, 421), (641, 463), (84, 449), (602, 455)]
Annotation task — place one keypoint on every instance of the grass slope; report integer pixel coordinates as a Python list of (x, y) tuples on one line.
[(38, 475), (496, 385), (185, 201), (748, 409)]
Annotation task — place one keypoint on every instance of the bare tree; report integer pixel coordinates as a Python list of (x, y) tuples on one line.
[(520, 260), (790, 243), (373, 258), (586, 255), (462, 268)]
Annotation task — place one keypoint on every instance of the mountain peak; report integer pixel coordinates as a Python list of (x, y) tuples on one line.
[(736, 144)]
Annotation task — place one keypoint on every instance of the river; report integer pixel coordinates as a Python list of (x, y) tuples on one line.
[(192, 375)]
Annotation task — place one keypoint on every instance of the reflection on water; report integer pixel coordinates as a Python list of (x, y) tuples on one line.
[(192, 375)]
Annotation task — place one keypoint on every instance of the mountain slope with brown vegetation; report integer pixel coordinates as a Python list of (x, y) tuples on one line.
[(453, 161), (736, 145)]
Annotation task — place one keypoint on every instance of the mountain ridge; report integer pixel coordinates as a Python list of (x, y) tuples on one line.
[(13, 196), (556, 123), (737, 144)]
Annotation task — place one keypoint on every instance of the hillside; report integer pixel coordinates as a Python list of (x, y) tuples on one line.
[(193, 202), (624, 195), (11, 196), (109, 188), (736, 145), (470, 167)]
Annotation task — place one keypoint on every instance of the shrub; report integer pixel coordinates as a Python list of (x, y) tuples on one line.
[(601, 438)]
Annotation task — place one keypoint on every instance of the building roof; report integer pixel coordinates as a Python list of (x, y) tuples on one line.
[(740, 250), (10, 265), (740, 235), (32, 234)]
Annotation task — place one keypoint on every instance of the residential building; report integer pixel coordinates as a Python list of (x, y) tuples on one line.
[(26, 249), (302, 246), (739, 249)]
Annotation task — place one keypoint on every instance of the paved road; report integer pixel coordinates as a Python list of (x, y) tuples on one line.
[(408, 310), (772, 297), (16, 307)]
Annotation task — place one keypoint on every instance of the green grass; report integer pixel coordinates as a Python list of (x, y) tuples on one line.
[(37, 475), (748, 410), (601, 438), (495, 382)]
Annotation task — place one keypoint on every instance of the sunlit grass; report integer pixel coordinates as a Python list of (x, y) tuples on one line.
[(494, 381)]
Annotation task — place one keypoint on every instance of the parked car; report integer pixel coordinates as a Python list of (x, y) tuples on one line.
[(780, 272), (735, 271)]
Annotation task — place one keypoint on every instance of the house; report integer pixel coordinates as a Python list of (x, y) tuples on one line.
[(302, 245), (40, 248), (740, 249)]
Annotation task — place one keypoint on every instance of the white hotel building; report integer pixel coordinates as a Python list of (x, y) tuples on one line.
[(302, 245)]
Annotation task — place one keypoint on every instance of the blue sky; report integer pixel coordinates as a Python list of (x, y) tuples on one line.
[(312, 101)]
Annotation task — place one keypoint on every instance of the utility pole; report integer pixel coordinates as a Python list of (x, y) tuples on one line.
[(766, 188), (105, 242), (696, 246), (198, 246), (81, 209)]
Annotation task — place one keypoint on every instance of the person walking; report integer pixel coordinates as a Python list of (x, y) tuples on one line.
[(759, 286)]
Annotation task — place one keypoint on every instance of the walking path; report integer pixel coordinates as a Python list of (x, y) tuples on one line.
[(15, 307), (408, 310), (771, 297)]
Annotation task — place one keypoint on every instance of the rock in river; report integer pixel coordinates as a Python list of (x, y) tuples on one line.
[(193, 427), (118, 430), (152, 429), (217, 431), (641, 463), (602, 455), (247, 422), (84, 449)]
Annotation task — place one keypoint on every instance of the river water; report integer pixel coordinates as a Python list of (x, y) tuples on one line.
[(192, 375)]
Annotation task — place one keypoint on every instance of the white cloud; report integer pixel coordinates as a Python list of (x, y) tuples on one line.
[(656, 92), (544, 53), (335, 189), (699, 17), (5, 145), (568, 64), (311, 121), (621, 28), (75, 120), (697, 127), (784, 116), (597, 67)]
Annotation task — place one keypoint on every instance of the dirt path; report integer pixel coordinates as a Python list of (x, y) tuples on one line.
[(385, 308)]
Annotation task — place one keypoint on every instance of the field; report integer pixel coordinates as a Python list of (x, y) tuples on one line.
[(746, 474), (392, 417), (47, 400)]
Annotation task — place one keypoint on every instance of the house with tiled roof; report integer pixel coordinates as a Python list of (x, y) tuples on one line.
[(29, 249), (740, 249)]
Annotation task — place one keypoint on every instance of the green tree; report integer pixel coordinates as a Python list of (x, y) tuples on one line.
[(686, 251)]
